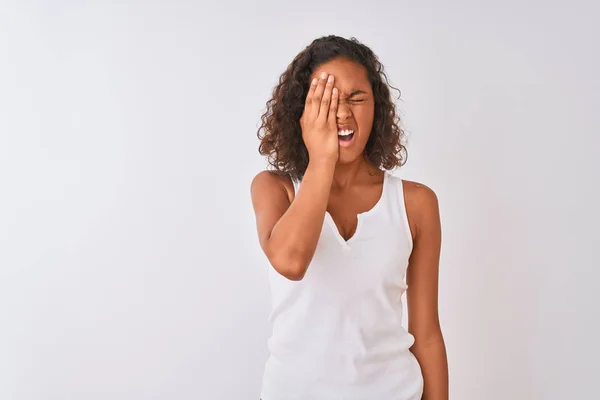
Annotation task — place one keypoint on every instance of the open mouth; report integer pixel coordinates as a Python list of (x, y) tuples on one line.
[(345, 135)]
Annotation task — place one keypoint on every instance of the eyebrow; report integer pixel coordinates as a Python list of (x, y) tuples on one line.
[(356, 92)]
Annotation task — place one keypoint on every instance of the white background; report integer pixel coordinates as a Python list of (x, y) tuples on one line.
[(129, 265)]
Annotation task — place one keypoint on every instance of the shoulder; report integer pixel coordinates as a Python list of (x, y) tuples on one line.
[(269, 182), (418, 193), (422, 205)]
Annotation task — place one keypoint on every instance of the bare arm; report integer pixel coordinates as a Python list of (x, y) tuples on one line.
[(288, 233), (422, 292)]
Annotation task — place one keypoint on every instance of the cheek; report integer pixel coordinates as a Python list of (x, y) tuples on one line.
[(364, 118)]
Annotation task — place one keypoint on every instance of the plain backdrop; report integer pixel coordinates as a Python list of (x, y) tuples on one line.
[(129, 264)]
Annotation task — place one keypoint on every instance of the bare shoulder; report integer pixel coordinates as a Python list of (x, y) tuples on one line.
[(422, 205), (268, 183), (419, 193), (270, 194)]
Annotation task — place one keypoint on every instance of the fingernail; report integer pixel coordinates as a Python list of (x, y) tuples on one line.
[(330, 79), (323, 75), (314, 81)]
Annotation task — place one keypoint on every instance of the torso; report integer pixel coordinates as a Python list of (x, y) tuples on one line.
[(338, 332), (344, 207)]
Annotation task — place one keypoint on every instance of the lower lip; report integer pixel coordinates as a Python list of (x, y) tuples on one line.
[(347, 143)]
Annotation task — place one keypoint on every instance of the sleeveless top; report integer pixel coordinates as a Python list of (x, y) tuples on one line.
[(337, 333)]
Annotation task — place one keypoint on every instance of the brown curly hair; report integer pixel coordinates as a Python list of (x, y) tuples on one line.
[(280, 133)]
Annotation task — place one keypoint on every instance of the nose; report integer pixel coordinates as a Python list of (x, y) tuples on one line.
[(343, 111)]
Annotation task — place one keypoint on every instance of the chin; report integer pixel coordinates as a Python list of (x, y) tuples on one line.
[(348, 157)]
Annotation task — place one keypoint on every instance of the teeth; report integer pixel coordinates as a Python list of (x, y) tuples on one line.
[(345, 132)]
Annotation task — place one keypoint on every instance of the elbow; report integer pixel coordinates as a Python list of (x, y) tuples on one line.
[(293, 274), (291, 265)]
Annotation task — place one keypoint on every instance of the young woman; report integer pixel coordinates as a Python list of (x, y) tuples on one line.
[(346, 238)]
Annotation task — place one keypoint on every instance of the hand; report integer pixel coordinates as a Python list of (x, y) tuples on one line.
[(319, 120)]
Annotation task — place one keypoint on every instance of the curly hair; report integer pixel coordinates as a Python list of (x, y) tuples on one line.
[(280, 133)]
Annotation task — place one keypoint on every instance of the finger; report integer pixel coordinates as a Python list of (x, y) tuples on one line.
[(326, 99), (316, 99), (309, 96), (333, 107)]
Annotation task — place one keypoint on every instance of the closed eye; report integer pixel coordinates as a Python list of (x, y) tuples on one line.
[(357, 100)]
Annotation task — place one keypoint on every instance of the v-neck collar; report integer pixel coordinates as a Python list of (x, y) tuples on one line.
[(359, 218)]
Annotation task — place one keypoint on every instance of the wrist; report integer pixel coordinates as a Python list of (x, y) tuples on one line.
[(326, 162)]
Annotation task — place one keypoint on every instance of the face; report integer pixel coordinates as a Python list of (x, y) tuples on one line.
[(356, 106)]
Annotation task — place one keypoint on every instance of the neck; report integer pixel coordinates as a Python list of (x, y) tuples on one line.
[(348, 174)]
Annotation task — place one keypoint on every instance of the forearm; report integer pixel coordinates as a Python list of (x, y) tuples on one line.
[(434, 365), (295, 236)]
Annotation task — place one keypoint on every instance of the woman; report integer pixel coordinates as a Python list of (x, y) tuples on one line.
[(345, 238)]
